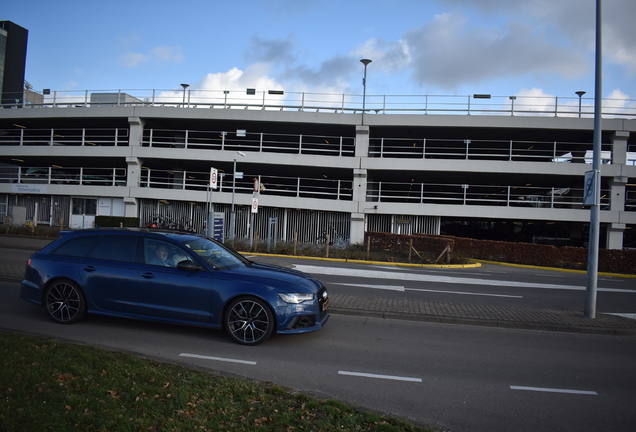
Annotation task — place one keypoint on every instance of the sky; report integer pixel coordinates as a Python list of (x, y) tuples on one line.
[(417, 47)]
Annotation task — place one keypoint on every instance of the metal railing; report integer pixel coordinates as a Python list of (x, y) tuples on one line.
[(250, 141), (22, 136), (474, 194), (64, 175), (480, 104), (300, 187), (508, 150)]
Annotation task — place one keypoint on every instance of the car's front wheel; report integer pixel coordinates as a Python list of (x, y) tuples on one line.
[(249, 321), (65, 302)]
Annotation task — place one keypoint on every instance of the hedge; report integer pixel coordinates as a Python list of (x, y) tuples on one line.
[(610, 260)]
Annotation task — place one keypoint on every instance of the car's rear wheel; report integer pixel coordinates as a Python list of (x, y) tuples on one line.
[(65, 302), (249, 321)]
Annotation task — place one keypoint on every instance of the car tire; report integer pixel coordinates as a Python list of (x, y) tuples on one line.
[(65, 302), (249, 321)]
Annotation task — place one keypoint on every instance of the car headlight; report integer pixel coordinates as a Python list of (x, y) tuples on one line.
[(295, 298)]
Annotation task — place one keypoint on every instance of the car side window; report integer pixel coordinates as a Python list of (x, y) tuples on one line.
[(77, 247), (162, 253), (116, 248)]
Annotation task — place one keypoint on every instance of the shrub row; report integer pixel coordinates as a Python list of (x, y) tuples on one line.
[(610, 260)]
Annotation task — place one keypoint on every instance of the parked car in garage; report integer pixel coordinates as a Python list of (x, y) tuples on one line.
[(172, 277)]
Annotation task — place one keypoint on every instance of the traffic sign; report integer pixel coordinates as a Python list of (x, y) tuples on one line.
[(214, 174)]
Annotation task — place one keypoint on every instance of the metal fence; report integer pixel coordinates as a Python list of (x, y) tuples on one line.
[(508, 150), (63, 175), (475, 104), (476, 194), (305, 226), (249, 141), (23, 136)]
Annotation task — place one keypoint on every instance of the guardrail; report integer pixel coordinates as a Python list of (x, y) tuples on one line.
[(474, 194), (301, 187), (479, 104), (64, 175)]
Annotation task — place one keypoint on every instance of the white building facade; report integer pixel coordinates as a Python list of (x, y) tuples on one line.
[(314, 169)]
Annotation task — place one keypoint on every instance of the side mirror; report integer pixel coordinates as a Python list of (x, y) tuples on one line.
[(188, 266)]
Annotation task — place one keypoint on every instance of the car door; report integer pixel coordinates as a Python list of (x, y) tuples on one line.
[(110, 275), (169, 293)]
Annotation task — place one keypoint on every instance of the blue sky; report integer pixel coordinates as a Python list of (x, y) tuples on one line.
[(443, 47)]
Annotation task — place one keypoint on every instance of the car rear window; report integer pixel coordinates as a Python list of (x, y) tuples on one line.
[(77, 247), (116, 248)]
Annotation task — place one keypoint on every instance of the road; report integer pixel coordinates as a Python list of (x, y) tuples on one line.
[(457, 378), (490, 284)]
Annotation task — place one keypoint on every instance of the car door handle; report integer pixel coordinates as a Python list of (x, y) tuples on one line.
[(89, 269), (147, 275)]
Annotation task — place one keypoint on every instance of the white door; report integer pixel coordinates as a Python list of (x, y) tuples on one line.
[(83, 211)]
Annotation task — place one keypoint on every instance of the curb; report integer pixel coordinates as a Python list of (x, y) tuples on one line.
[(356, 261)]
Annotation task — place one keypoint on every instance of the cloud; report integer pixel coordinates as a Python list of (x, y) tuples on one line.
[(235, 79), (271, 50), (574, 20), (388, 55), (158, 55), (449, 53)]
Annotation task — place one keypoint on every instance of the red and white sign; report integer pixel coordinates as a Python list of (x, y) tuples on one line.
[(254, 205), (214, 174)]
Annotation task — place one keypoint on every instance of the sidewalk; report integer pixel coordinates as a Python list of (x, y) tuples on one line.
[(441, 312)]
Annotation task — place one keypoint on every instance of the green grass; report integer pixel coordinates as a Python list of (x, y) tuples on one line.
[(48, 385)]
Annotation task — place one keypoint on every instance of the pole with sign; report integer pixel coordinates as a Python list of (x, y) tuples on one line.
[(214, 183)]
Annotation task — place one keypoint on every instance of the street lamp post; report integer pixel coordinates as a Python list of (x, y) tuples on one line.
[(232, 214), (185, 86), (580, 93), (365, 62)]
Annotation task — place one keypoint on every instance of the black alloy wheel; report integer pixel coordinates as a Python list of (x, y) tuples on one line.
[(249, 321), (65, 302)]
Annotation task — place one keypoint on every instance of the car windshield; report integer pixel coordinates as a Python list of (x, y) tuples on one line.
[(215, 254)]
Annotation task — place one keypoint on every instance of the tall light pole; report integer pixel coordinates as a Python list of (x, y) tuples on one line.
[(365, 62), (595, 221), (185, 86), (580, 93), (232, 214)]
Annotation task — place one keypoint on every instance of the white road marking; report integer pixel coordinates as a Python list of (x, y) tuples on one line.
[(464, 293), (227, 360), (553, 390), (375, 274), (624, 315), (382, 287), (402, 289), (386, 377)]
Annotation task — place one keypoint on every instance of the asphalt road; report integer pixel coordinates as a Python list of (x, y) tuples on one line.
[(494, 285), (457, 378)]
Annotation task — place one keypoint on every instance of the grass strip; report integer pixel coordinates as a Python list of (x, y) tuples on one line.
[(49, 385)]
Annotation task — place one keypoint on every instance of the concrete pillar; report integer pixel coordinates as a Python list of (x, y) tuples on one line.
[(136, 133), (615, 236), (360, 186), (618, 185), (619, 147), (362, 141), (357, 228)]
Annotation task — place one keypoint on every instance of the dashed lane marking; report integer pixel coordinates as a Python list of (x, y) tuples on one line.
[(221, 359), (554, 390), (377, 376)]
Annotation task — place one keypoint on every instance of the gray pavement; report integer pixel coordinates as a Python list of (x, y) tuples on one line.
[(441, 312)]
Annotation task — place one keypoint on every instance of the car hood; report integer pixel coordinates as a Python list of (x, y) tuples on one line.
[(281, 277)]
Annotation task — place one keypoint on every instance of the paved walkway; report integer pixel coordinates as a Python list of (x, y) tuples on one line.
[(442, 312)]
